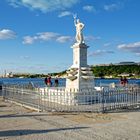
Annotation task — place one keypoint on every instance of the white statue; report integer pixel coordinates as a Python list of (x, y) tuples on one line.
[(79, 27)]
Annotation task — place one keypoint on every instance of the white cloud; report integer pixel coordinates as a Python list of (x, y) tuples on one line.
[(46, 36), (111, 7), (14, 4), (63, 39), (28, 40), (44, 5), (132, 47), (89, 8), (65, 13), (51, 36), (100, 52), (7, 34), (91, 38), (107, 44)]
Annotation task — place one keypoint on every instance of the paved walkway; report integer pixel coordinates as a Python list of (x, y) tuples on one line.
[(18, 123)]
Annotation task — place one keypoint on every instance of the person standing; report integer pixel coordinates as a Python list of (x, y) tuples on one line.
[(121, 81), (56, 82), (125, 81), (49, 82), (46, 80)]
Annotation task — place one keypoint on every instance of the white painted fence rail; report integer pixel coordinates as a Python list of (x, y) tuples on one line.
[(60, 99)]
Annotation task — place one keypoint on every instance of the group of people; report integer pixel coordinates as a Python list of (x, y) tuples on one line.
[(123, 81), (49, 83)]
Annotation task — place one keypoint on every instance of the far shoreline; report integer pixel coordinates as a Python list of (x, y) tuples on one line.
[(53, 77)]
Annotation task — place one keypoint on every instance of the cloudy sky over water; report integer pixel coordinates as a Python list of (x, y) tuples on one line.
[(36, 35)]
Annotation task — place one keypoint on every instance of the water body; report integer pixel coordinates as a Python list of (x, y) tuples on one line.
[(39, 82)]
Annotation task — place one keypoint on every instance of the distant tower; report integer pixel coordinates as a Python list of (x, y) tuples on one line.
[(5, 73)]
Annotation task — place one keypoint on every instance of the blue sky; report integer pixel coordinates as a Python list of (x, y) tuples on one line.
[(36, 35)]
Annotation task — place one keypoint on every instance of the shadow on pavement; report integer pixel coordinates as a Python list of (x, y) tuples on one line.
[(28, 132), (35, 115)]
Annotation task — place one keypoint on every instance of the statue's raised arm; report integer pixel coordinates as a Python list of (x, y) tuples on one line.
[(75, 22), (79, 27)]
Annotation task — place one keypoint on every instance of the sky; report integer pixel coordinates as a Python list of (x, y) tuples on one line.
[(36, 35)]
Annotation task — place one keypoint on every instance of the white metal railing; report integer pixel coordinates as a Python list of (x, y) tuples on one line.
[(60, 99)]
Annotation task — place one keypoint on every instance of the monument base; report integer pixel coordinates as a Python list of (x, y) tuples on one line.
[(79, 75), (62, 96), (80, 78)]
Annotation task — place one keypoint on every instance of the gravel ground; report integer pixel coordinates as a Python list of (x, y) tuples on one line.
[(18, 123)]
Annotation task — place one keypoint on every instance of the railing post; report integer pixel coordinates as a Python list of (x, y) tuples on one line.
[(39, 101), (2, 91), (103, 100)]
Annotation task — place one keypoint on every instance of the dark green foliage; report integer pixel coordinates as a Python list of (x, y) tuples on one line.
[(98, 71), (115, 70), (26, 75), (29, 75)]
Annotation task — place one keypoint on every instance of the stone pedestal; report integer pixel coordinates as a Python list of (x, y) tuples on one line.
[(79, 75)]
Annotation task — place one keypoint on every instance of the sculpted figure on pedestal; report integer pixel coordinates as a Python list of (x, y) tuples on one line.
[(79, 27)]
